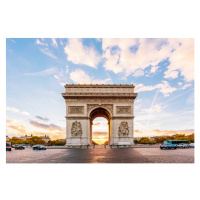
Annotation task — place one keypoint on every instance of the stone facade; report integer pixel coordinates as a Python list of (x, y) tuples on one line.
[(86, 102)]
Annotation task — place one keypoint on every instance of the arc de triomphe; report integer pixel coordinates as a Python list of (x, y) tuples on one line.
[(86, 102)]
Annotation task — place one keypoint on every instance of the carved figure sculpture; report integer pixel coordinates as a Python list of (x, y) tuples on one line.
[(76, 129), (123, 129)]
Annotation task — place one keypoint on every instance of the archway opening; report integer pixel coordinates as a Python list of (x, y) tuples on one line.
[(100, 131), (100, 126)]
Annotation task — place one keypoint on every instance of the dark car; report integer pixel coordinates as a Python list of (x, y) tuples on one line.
[(19, 147), (167, 146), (8, 146), (39, 147)]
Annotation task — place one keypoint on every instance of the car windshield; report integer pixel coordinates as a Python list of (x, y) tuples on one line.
[(7, 144)]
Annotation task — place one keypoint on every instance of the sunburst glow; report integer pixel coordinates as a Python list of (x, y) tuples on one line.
[(100, 130)]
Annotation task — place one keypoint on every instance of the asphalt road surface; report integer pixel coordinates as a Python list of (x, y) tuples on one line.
[(121, 155)]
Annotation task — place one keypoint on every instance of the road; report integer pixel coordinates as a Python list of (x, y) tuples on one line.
[(121, 155)]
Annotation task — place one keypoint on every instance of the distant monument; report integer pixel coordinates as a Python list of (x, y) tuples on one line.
[(86, 102)]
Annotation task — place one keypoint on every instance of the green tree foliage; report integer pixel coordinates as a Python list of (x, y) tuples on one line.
[(55, 143), (32, 141), (160, 139), (136, 141), (144, 140)]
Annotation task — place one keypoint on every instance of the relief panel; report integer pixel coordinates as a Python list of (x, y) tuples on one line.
[(76, 109), (123, 109)]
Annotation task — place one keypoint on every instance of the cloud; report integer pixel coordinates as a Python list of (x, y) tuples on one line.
[(15, 128), (16, 110), (99, 136), (79, 54), (42, 118), (49, 127), (47, 52), (138, 73), (81, 77), (45, 72), (155, 108), (163, 87), (61, 42), (127, 56), (154, 69), (186, 86), (172, 132), (38, 42), (182, 59), (62, 76), (25, 113), (137, 131), (12, 40), (54, 42), (96, 124), (180, 83)]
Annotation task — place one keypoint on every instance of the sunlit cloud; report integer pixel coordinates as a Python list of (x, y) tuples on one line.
[(81, 77), (42, 118), (19, 128), (172, 132), (163, 87), (138, 54), (45, 72), (54, 42), (47, 52), (16, 110), (77, 53), (50, 127), (154, 108), (38, 42)]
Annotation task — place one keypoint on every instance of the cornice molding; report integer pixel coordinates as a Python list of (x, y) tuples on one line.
[(99, 86)]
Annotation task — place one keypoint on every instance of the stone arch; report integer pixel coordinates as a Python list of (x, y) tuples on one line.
[(87, 101)]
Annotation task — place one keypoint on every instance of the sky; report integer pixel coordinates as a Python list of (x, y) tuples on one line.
[(37, 69)]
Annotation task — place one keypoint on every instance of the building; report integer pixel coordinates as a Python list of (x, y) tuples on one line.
[(7, 138), (45, 138), (25, 137), (85, 102)]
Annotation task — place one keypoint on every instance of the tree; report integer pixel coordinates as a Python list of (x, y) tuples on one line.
[(136, 141)]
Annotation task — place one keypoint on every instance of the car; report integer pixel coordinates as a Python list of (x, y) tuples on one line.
[(39, 147), (183, 146), (167, 146), (19, 147), (8, 146), (186, 146), (179, 145), (191, 145)]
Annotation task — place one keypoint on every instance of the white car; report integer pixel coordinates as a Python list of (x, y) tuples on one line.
[(191, 145), (182, 146)]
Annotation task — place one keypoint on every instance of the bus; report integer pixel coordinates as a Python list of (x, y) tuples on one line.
[(176, 142)]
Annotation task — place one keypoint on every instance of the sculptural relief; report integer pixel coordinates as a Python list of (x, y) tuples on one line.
[(123, 129), (108, 106), (76, 109), (123, 109), (76, 129)]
